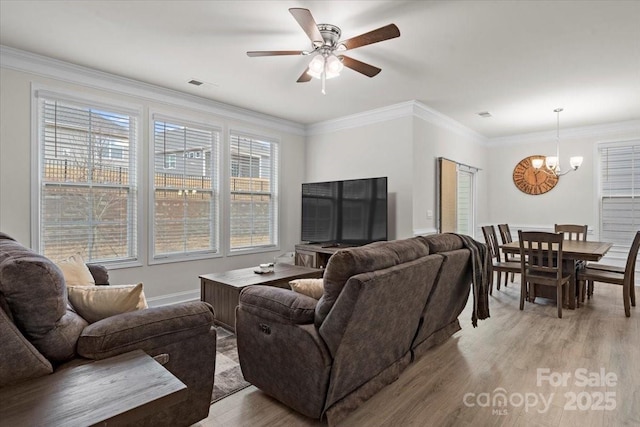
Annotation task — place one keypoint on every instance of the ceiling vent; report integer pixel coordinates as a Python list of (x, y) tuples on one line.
[(485, 114), (195, 83)]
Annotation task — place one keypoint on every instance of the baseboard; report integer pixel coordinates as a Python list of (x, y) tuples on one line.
[(175, 298)]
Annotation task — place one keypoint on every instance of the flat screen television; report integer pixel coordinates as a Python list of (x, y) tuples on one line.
[(345, 212)]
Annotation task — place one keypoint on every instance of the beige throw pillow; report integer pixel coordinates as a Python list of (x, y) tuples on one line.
[(76, 272), (94, 303), (309, 287)]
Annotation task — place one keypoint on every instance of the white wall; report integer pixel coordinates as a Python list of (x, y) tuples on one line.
[(573, 200), (165, 282), (403, 143), (379, 149), (430, 142)]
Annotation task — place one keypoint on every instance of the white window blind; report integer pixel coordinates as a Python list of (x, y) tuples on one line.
[(185, 188), (254, 192), (88, 181), (619, 195)]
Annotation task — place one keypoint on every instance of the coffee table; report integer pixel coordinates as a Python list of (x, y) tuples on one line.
[(222, 290)]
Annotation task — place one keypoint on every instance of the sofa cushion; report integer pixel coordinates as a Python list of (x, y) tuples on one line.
[(278, 304), (310, 287), (95, 303), (75, 271), (19, 360), (375, 256), (146, 330), (34, 291), (444, 242)]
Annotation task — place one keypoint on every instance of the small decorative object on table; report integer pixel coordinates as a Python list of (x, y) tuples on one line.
[(264, 268)]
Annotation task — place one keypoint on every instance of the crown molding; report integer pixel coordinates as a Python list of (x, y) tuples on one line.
[(28, 62), (391, 112), (411, 108), (629, 127), (436, 118)]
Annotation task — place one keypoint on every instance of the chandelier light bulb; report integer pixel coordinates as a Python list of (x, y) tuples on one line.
[(575, 162), (537, 163), (552, 162)]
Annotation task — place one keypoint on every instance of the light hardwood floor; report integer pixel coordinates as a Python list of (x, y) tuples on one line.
[(505, 352)]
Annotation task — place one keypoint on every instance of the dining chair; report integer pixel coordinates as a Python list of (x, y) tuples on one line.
[(541, 264), (572, 231), (505, 236), (497, 264), (625, 279)]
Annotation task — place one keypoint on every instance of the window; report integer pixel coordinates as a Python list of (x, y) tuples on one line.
[(170, 161), (185, 195), (88, 182), (619, 195), (254, 193)]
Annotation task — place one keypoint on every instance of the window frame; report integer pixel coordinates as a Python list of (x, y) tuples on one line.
[(43, 92), (618, 254), (276, 174), (193, 121)]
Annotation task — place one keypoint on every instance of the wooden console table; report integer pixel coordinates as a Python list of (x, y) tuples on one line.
[(115, 391), (222, 290), (316, 255)]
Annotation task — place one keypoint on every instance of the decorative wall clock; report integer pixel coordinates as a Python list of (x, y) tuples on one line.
[(531, 180)]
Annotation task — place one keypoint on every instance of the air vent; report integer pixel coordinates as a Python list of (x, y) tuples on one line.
[(485, 114), (195, 82)]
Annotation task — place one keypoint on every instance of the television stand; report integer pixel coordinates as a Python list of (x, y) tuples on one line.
[(316, 255)]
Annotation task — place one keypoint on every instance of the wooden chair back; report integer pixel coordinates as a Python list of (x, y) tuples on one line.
[(505, 233), (491, 240), (630, 268), (572, 231), (541, 254), (541, 264)]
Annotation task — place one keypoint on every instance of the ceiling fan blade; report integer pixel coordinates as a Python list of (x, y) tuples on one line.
[(359, 66), (308, 24), (304, 77), (381, 34), (254, 53)]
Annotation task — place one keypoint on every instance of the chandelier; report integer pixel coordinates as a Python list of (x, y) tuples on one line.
[(552, 163)]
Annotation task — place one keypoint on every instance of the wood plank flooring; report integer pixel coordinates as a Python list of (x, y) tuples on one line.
[(504, 352)]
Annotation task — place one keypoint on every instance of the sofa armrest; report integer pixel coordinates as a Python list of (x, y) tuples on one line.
[(278, 304), (100, 273), (145, 329)]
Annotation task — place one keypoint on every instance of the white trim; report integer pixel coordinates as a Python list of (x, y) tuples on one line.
[(411, 108), (391, 112), (436, 118), (174, 298), (19, 60), (424, 231), (226, 191), (43, 91), (183, 120), (602, 130)]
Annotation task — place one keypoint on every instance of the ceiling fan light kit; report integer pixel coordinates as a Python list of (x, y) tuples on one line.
[(325, 42)]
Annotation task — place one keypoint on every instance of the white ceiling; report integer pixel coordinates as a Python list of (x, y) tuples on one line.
[(516, 59)]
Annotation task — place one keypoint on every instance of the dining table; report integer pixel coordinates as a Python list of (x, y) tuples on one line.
[(573, 251)]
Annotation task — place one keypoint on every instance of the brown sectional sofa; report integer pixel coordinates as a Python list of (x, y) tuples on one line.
[(41, 334), (383, 305)]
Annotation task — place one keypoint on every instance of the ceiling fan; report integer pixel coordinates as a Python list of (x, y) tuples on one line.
[(327, 48)]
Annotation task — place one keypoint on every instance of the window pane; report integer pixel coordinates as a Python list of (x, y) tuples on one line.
[(185, 182), (88, 187), (620, 198), (253, 172)]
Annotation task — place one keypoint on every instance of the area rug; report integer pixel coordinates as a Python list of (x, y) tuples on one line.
[(228, 377)]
